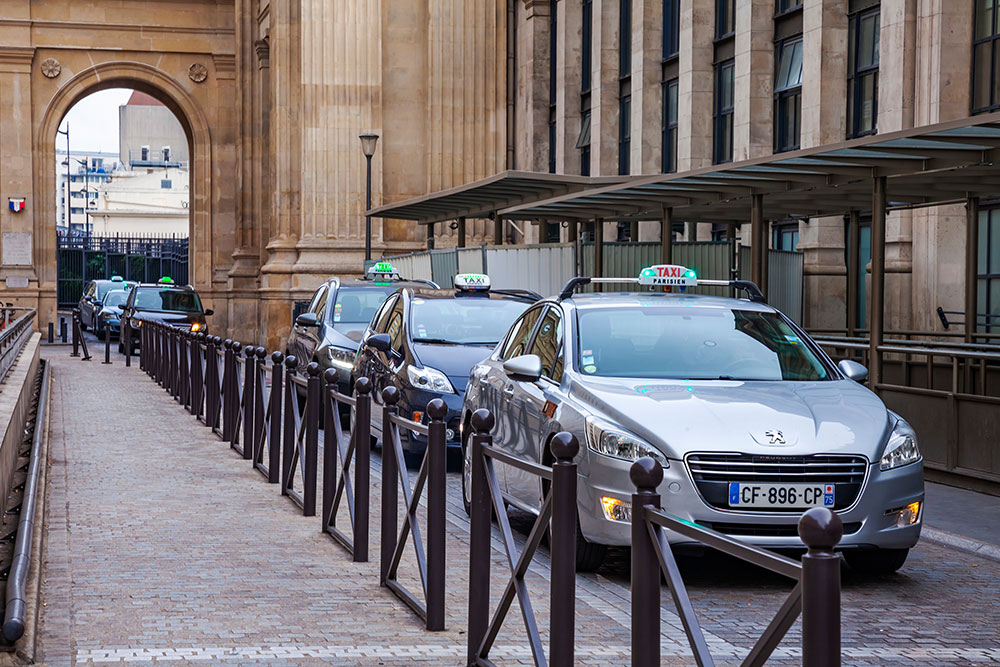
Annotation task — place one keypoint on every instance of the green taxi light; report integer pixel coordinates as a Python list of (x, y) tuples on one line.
[(383, 267), (690, 274), (116, 279)]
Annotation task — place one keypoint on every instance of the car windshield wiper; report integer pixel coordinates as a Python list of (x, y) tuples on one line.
[(731, 378), (435, 341)]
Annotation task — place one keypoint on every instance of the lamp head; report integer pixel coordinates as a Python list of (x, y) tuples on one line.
[(368, 142)]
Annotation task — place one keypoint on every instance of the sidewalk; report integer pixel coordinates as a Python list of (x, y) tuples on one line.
[(962, 519)]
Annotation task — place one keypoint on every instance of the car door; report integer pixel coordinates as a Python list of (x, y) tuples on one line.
[(302, 336), (375, 365), (86, 304), (532, 405), (500, 388)]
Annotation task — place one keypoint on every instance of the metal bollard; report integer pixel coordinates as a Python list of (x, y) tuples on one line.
[(249, 378), (821, 530), (233, 400), (362, 433), (480, 515), (183, 373), (227, 394), (212, 382), (437, 461), (83, 341), (562, 591), (51, 332), (390, 483), (125, 337), (646, 475), (288, 435), (312, 417), (196, 388), (62, 328), (107, 342), (76, 334), (274, 444)]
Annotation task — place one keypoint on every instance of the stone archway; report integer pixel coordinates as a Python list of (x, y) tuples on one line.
[(155, 82)]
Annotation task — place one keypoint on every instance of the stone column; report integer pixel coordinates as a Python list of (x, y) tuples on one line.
[(695, 85), (824, 89), (647, 90), (569, 25), (754, 77), (532, 111), (604, 90), (941, 93)]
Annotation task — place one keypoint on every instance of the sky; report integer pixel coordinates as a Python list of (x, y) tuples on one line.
[(93, 122)]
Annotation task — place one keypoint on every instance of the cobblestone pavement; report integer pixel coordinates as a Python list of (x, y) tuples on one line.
[(162, 545)]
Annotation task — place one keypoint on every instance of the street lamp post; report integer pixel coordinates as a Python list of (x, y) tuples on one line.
[(368, 142), (69, 190)]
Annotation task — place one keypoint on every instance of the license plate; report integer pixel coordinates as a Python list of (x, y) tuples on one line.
[(781, 495)]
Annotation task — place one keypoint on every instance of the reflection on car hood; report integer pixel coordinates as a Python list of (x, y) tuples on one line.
[(680, 416), (169, 318), (455, 361), (345, 335)]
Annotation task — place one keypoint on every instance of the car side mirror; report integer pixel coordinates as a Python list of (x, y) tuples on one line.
[(853, 370), (209, 312), (306, 320), (380, 342), (525, 368)]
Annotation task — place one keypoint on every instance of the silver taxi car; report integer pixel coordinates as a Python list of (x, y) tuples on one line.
[(749, 418)]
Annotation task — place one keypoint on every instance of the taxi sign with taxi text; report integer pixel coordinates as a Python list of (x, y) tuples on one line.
[(662, 275)]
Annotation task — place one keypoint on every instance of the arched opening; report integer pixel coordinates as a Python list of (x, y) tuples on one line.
[(122, 193), (182, 103)]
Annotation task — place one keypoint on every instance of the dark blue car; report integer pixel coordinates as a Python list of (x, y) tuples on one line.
[(425, 342)]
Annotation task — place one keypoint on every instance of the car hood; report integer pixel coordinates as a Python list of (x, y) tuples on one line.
[(455, 361), (169, 318), (678, 417)]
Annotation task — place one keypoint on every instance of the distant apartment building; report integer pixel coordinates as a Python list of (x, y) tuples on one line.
[(140, 202), (149, 134), (83, 184)]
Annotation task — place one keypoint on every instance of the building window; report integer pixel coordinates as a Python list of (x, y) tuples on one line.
[(583, 142), (165, 184), (988, 285), (671, 28), (75, 211), (785, 236), (986, 57), (720, 231), (787, 94), (862, 73), (782, 6), (723, 139), (725, 24), (586, 46), (669, 146), (552, 85), (624, 85)]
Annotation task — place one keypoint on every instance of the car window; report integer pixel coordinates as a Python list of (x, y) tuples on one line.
[(394, 325), (103, 288), (170, 300), (671, 341), (90, 288), (357, 305), (319, 299), (115, 298), (520, 334), (462, 320), (548, 344), (382, 316)]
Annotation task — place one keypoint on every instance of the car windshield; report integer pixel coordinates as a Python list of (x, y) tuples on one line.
[(115, 298), (354, 307), (166, 299), (673, 341), (463, 320)]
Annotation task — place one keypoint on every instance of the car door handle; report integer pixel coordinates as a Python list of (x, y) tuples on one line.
[(508, 391)]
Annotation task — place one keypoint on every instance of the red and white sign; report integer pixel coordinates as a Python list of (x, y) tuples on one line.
[(667, 274)]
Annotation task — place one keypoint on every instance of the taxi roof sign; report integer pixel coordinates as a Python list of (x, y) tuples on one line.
[(166, 280), (382, 271), (116, 279), (665, 275), (472, 282)]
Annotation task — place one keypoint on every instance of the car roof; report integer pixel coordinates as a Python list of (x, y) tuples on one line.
[(452, 293), (186, 288), (360, 282), (638, 299)]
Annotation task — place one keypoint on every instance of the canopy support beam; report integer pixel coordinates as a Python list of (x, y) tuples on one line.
[(598, 250), (666, 236), (971, 266), (758, 243), (461, 232), (853, 270), (430, 236), (498, 231), (876, 319)]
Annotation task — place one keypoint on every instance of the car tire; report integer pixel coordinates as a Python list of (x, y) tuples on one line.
[(466, 472), (589, 555), (876, 561)]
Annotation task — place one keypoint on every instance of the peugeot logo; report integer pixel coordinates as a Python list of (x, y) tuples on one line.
[(775, 437)]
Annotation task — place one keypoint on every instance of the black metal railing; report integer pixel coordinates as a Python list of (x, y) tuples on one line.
[(273, 423), (16, 326)]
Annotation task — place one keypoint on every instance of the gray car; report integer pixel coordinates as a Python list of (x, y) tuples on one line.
[(751, 421)]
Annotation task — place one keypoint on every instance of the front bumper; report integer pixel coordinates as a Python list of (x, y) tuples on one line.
[(416, 400), (866, 522)]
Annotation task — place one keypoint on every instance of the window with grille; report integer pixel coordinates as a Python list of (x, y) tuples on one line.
[(788, 94), (862, 73), (986, 57), (723, 135)]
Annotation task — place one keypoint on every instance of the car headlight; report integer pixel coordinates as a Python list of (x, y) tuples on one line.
[(620, 445), (429, 378), (195, 327), (902, 447), (341, 357)]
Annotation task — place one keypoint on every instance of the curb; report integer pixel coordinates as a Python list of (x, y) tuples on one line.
[(991, 551)]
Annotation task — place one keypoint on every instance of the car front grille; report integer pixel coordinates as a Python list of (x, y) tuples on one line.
[(712, 474)]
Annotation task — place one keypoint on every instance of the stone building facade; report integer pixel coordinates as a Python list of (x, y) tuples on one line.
[(648, 86)]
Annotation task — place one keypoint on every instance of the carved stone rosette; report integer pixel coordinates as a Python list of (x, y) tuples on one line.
[(51, 68), (197, 72)]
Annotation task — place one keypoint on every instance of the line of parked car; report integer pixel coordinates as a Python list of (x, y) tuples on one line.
[(749, 418)]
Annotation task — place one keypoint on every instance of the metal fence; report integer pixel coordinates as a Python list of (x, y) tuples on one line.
[(139, 258), (184, 363)]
